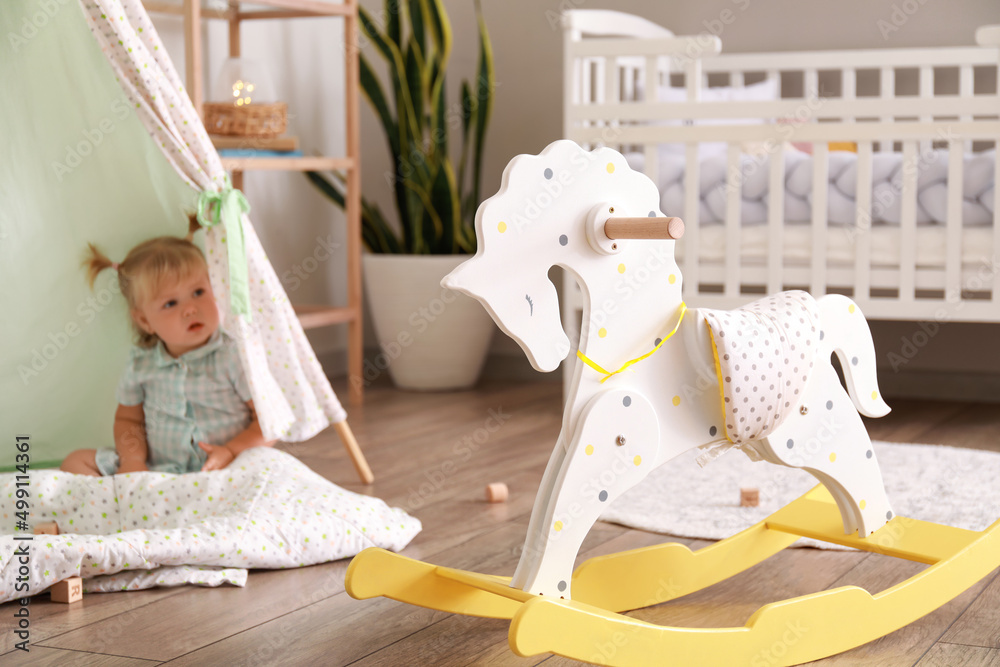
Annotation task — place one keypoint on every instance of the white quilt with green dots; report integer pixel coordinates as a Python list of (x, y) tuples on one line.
[(266, 510)]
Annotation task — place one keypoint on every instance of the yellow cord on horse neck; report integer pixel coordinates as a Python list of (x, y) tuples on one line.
[(608, 374)]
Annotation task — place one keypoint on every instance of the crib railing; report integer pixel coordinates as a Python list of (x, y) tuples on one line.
[(952, 104)]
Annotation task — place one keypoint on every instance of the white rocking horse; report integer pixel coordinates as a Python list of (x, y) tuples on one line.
[(653, 380)]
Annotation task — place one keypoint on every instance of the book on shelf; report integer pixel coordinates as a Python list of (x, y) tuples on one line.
[(256, 152)]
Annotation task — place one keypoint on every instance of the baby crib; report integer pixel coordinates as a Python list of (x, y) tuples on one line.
[(747, 149)]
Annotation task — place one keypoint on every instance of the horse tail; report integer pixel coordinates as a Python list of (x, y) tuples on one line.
[(848, 336)]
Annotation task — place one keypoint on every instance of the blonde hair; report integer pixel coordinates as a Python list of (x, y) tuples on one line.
[(146, 268)]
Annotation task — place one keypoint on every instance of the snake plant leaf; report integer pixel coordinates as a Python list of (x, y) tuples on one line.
[(372, 90), (437, 214), (371, 31), (439, 112), (466, 124), (417, 167), (431, 228), (444, 199), (485, 84), (416, 15), (414, 63), (396, 134), (403, 132), (469, 204), (326, 187), (412, 189), (425, 221), (392, 23), (397, 69), (440, 28), (380, 236), (375, 232)]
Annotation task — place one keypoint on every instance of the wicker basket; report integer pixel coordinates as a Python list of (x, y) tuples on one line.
[(253, 120)]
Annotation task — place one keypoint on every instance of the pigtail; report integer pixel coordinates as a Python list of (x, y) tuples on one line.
[(94, 262), (193, 226), (144, 268)]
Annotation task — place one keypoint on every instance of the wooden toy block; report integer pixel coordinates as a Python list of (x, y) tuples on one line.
[(67, 591), (47, 528), (496, 492), (749, 497)]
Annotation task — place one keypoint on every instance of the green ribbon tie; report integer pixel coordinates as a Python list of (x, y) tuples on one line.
[(228, 206)]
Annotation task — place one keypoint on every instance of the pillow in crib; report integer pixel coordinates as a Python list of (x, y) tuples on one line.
[(764, 91)]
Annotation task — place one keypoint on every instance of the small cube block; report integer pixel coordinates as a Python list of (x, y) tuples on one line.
[(749, 497), (67, 590), (47, 528), (496, 492)]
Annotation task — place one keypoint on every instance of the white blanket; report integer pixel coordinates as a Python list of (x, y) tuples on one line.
[(266, 510), (948, 485), (978, 196)]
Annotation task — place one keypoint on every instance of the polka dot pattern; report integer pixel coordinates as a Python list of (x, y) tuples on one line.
[(295, 402), (265, 510), (766, 352)]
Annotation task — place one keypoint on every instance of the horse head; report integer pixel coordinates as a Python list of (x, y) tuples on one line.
[(522, 301), (539, 218)]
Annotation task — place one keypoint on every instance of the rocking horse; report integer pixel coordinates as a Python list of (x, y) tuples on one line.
[(655, 379)]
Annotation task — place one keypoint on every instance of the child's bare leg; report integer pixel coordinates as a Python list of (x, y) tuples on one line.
[(81, 462)]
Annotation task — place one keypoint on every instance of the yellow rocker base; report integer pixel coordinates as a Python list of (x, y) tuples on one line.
[(629, 580)]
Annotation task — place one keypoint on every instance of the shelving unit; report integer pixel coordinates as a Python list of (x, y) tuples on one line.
[(310, 315)]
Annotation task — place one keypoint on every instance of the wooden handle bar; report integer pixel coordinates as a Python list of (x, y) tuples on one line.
[(644, 228)]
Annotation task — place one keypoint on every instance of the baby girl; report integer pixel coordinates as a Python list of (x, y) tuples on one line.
[(184, 403)]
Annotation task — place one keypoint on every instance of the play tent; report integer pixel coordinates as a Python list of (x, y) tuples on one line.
[(99, 142)]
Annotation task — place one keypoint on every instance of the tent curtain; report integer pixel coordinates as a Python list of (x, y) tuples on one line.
[(291, 394)]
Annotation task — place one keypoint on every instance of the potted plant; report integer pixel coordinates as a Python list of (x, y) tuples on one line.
[(431, 338)]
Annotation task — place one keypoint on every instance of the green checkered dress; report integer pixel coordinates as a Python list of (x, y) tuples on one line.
[(200, 396)]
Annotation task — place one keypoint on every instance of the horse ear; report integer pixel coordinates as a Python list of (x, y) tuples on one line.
[(460, 277)]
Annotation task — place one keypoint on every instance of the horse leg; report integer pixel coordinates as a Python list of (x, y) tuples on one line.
[(830, 441), (536, 533), (614, 446)]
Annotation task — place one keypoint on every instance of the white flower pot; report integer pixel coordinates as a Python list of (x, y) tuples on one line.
[(430, 338)]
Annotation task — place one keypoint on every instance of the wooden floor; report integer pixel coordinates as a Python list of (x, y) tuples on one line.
[(433, 454)]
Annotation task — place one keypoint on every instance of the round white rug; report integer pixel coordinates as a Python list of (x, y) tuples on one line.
[(947, 485)]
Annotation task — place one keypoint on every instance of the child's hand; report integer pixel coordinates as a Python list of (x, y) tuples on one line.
[(133, 465), (218, 457)]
